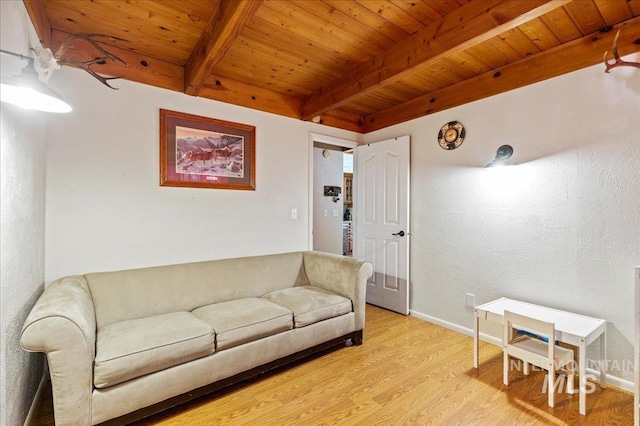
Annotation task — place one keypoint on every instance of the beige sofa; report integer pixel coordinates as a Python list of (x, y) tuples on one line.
[(118, 344)]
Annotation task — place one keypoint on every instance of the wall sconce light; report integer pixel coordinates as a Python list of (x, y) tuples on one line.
[(502, 157), (27, 91)]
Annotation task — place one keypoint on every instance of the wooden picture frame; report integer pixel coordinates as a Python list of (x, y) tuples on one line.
[(202, 152)]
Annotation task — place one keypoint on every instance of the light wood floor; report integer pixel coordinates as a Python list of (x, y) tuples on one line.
[(407, 372)]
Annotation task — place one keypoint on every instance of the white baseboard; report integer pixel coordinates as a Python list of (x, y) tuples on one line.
[(614, 381), (30, 420), (611, 380)]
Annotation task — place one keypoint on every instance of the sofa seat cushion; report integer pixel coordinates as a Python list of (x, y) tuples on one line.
[(243, 320), (129, 349), (310, 304)]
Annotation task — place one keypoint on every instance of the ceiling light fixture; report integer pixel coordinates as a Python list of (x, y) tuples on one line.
[(27, 91), (502, 157)]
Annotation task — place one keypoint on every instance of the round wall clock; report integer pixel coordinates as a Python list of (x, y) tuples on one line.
[(451, 135)]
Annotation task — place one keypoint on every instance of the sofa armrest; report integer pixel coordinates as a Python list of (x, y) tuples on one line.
[(342, 275), (62, 324)]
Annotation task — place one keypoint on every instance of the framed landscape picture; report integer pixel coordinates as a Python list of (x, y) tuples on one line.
[(202, 152)]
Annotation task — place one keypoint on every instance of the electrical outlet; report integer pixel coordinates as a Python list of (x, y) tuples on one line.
[(471, 299), (294, 213)]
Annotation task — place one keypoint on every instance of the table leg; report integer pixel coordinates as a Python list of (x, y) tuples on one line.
[(476, 332), (603, 359), (582, 386)]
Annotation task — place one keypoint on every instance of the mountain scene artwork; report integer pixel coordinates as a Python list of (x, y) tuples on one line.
[(208, 153)]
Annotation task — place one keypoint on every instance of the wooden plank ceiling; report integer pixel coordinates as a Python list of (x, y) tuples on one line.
[(360, 65)]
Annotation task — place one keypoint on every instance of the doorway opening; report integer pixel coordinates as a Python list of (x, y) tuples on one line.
[(331, 215), (380, 216), (347, 190)]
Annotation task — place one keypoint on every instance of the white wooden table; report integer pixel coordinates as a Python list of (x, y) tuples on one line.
[(574, 329)]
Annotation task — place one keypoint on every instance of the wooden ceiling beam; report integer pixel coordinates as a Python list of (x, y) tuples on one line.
[(223, 28), (572, 56), (471, 24), (343, 120), (238, 93), (38, 16)]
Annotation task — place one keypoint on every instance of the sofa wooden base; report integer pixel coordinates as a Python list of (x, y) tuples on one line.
[(354, 338)]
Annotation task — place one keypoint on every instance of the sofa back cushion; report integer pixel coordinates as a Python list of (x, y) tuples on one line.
[(137, 293)]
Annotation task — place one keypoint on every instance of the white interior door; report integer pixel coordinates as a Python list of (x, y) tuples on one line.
[(382, 220)]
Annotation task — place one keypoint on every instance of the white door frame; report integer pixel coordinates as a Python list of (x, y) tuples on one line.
[(330, 140)]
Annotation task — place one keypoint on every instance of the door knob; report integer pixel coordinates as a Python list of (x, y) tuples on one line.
[(400, 234)]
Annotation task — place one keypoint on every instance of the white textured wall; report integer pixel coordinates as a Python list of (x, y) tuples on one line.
[(327, 230), (22, 211), (106, 210), (560, 229)]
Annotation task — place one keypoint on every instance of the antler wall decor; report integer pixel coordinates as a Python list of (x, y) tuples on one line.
[(618, 62), (90, 38)]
